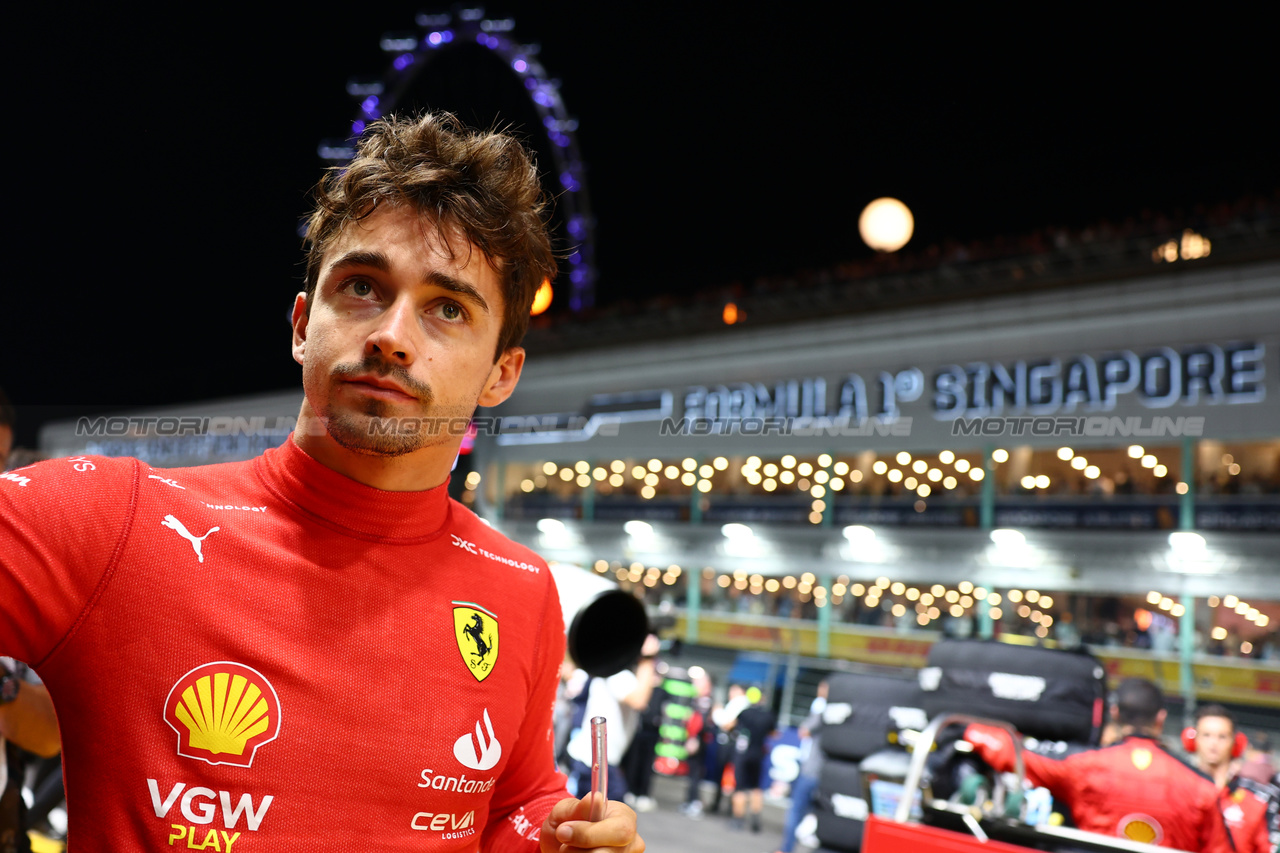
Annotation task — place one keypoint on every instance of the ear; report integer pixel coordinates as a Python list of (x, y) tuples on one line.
[(1160, 718), (299, 327), (502, 379)]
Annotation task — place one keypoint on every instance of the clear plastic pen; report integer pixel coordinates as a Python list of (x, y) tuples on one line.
[(599, 768)]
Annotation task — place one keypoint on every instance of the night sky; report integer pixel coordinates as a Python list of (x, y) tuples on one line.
[(158, 167)]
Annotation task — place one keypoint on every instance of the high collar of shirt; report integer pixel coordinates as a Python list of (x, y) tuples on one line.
[(347, 506)]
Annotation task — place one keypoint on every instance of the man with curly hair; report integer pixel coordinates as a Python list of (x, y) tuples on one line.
[(274, 655)]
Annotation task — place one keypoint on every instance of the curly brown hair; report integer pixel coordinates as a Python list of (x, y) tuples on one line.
[(483, 184)]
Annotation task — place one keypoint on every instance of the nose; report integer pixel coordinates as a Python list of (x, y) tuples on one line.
[(393, 336)]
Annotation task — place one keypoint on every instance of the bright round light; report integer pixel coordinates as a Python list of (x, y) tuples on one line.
[(639, 529), (886, 225)]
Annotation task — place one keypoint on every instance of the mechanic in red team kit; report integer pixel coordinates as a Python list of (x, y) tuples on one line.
[(1216, 747), (318, 649), (1134, 788)]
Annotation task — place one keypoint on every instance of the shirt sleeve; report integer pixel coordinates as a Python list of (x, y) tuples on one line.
[(995, 746), (62, 523), (530, 785)]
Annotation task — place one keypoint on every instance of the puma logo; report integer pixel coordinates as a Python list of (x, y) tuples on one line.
[(196, 541)]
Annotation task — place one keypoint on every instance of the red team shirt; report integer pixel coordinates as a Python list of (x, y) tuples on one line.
[(1132, 789), (1246, 818), (269, 656)]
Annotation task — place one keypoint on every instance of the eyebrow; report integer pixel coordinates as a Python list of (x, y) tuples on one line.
[(444, 281)]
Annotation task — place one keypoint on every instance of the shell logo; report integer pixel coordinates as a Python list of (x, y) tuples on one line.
[(1140, 827), (223, 712), (1141, 758)]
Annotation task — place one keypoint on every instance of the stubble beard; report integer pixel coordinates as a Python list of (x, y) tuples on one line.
[(379, 427)]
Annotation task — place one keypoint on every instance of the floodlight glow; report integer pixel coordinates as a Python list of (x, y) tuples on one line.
[(859, 534), (638, 529), (1007, 537), (1186, 542)]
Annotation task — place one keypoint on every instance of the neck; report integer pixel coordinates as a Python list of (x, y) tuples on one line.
[(417, 471), (1140, 731), (1219, 773)]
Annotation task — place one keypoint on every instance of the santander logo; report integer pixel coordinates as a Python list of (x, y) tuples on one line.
[(477, 752)]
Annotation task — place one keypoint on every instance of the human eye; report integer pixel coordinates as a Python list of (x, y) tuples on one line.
[(357, 287), (449, 311)]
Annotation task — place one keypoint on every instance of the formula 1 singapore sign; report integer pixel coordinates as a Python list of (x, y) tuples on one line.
[(1157, 379), (1056, 395)]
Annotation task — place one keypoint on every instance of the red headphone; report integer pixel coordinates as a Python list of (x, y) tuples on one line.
[(1237, 746)]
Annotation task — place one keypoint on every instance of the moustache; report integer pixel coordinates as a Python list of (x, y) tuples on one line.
[(379, 366)]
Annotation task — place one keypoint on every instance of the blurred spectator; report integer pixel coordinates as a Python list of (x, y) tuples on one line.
[(810, 769), (749, 730), (725, 717), (637, 763), (701, 742), (619, 699)]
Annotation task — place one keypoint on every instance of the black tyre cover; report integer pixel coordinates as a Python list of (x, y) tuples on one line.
[(1045, 693), (862, 709), (840, 806)]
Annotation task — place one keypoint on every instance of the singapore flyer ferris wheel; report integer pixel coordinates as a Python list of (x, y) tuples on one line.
[(473, 66)]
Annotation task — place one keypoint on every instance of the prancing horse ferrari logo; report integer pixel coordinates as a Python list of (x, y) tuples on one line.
[(476, 631)]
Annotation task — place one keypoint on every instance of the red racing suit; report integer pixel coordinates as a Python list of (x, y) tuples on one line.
[(268, 656), (1132, 789), (1246, 818)]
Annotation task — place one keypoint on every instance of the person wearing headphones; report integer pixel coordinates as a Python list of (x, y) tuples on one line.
[(1215, 747)]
